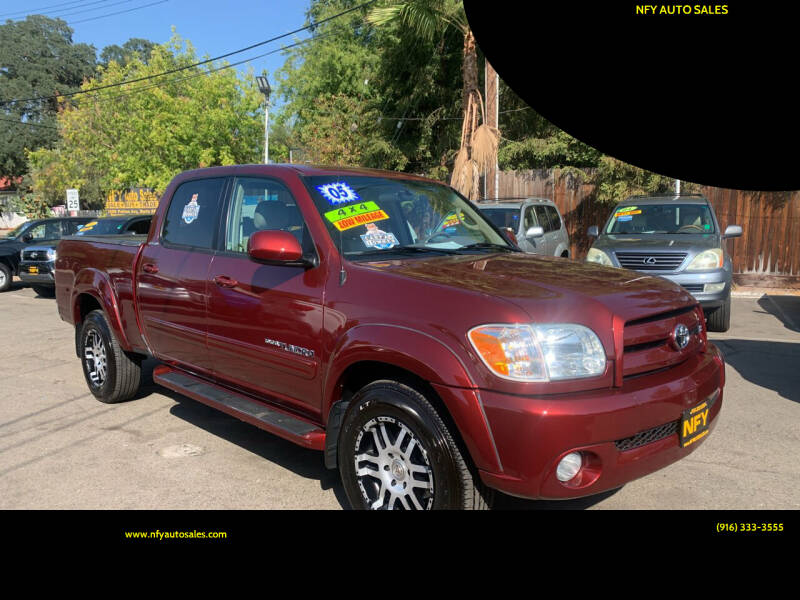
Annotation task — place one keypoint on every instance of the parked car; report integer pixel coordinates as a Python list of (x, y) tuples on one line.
[(37, 231), (37, 262), (429, 367), (535, 222), (676, 237)]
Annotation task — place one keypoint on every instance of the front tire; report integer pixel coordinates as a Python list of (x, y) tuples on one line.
[(719, 320), (5, 277), (112, 375), (395, 452)]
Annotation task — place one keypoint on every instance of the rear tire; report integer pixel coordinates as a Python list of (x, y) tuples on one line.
[(111, 374), (395, 452), (5, 277), (45, 291), (719, 320)]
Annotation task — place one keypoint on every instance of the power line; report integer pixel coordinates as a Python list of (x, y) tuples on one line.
[(202, 62), (28, 123), (30, 11), (119, 12), (85, 10)]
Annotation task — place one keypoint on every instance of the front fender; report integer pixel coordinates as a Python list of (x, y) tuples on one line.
[(96, 284), (428, 358)]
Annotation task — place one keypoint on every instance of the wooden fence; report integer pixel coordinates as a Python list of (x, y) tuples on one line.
[(767, 254)]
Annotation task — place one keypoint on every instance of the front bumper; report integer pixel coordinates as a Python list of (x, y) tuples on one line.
[(533, 433), (693, 282), (43, 277)]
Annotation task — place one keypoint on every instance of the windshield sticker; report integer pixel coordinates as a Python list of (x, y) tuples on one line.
[(625, 218), (88, 226), (338, 193), (451, 221), (348, 217), (706, 226), (375, 238), (629, 212), (625, 209), (191, 210)]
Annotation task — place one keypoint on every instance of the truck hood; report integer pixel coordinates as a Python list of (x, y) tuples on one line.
[(683, 242), (548, 289)]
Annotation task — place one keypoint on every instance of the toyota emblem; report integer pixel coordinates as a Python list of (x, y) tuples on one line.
[(680, 336)]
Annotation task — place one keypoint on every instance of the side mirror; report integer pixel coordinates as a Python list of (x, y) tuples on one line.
[(27, 238), (277, 247), (534, 232), (593, 231), (732, 231), (510, 235)]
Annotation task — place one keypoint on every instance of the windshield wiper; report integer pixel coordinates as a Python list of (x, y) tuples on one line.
[(404, 250), (488, 246)]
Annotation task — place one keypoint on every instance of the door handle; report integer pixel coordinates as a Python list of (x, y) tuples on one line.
[(225, 281), (149, 268)]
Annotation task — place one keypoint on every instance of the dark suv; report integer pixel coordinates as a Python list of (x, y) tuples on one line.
[(32, 232)]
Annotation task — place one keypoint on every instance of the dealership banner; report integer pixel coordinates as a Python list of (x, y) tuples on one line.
[(132, 202)]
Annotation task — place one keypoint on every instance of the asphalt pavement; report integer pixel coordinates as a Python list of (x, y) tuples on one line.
[(62, 449)]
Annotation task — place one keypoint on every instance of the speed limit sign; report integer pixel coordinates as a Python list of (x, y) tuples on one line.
[(73, 202)]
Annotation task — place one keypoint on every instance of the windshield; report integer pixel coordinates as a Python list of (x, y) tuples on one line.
[(373, 215), (101, 227), (17, 231), (503, 217), (661, 218)]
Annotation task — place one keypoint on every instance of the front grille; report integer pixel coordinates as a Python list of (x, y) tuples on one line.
[(647, 437), (651, 261), (34, 255)]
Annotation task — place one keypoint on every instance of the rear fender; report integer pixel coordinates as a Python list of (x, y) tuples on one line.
[(96, 284), (428, 358)]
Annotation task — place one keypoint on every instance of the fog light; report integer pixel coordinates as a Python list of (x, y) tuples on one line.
[(711, 288), (569, 466)]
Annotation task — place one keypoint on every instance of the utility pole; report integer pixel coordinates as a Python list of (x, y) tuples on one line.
[(492, 180), (264, 88)]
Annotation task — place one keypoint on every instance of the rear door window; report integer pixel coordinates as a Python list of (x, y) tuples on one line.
[(193, 215)]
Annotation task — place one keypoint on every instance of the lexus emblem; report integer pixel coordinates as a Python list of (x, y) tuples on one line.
[(650, 260), (680, 336)]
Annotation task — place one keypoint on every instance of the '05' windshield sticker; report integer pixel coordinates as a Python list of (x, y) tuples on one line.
[(191, 210), (348, 217), (338, 193), (375, 238)]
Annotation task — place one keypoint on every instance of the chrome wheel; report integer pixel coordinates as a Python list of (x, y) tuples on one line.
[(392, 467), (3, 278), (94, 352)]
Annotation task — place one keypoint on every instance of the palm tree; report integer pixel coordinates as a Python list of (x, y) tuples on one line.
[(427, 18)]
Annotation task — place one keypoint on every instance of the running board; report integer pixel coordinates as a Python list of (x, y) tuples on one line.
[(278, 422)]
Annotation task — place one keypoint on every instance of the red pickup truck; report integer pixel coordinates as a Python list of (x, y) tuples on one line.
[(381, 319)]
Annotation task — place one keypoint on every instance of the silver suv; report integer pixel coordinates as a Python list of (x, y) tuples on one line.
[(675, 237), (535, 222)]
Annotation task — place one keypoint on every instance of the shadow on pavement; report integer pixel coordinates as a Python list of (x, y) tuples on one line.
[(785, 308), (771, 365), (301, 461), (504, 502)]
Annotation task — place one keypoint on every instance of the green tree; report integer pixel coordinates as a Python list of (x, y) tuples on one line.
[(37, 59), (134, 47), (144, 134)]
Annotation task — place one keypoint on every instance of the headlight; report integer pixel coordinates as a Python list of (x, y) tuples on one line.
[(51, 254), (708, 259), (539, 352), (598, 256)]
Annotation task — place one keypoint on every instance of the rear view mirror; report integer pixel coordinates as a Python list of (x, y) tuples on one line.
[(733, 231), (593, 231), (277, 247), (534, 232)]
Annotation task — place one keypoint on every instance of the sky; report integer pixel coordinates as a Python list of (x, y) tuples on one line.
[(214, 27)]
